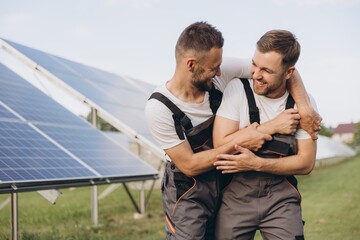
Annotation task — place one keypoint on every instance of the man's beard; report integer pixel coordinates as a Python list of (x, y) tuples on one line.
[(268, 89), (204, 84)]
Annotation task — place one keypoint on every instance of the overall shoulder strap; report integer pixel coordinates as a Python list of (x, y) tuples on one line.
[(180, 119), (253, 109), (215, 97), (289, 102)]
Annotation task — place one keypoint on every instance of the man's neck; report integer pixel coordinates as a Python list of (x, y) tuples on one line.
[(184, 90)]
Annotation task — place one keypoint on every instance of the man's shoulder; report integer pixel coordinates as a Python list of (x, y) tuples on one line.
[(161, 89), (153, 105), (235, 84)]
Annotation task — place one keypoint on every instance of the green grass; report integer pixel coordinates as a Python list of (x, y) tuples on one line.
[(331, 209), (331, 201), (70, 217)]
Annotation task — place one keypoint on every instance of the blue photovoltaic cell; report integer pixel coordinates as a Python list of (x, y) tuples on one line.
[(27, 156), (123, 98), (96, 150), (80, 152), (31, 103), (5, 114)]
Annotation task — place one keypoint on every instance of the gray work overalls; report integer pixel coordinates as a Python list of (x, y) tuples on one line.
[(262, 201), (191, 203)]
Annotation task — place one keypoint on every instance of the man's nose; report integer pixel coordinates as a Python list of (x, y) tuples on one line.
[(256, 74)]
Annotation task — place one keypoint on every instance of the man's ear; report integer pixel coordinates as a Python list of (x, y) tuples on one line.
[(289, 72), (190, 64)]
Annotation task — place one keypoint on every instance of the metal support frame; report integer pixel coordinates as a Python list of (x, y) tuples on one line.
[(94, 206), (14, 216), (94, 189), (162, 163), (140, 209), (142, 198)]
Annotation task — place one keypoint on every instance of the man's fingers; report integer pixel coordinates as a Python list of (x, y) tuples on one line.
[(296, 116), (291, 110), (223, 164), (268, 137), (314, 136), (316, 127), (222, 168), (223, 159), (318, 121), (240, 148)]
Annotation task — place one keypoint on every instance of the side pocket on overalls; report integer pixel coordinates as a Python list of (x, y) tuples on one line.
[(164, 181), (182, 183), (292, 181)]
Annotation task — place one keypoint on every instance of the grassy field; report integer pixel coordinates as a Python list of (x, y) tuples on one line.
[(331, 209)]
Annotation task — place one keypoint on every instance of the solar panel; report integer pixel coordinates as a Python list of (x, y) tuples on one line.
[(27, 156), (5, 114), (123, 97), (42, 141)]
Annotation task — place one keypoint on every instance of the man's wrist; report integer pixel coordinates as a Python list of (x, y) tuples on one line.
[(258, 164), (264, 128)]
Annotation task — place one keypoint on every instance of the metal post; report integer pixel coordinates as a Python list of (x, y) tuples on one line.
[(131, 198), (142, 198), (94, 206), (94, 197), (14, 216)]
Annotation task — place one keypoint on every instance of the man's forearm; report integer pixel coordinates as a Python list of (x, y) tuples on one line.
[(203, 161), (291, 165), (310, 120), (297, 90)]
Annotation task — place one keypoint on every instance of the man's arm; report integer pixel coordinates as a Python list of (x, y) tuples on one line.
[(299, 164), (310, 119), (233, 68), (285, 123), (192, 164), (223, 130)]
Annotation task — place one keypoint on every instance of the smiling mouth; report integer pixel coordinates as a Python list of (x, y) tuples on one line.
[(260, 83)]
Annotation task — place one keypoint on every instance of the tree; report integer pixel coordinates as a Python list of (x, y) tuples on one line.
[(325, 131), (356, 139)]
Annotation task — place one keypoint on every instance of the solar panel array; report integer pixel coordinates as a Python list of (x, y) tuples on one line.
[(124, 98), (43, 145)]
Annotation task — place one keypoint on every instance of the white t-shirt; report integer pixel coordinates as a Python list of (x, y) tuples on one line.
[(234, 106), (159, 117)]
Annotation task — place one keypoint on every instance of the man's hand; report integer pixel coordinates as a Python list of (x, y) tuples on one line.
[(285, 123), (245, 161), (310, 121), (251, 138)]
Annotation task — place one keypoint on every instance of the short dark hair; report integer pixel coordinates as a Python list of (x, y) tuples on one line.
[(283, 42), (199, 37)]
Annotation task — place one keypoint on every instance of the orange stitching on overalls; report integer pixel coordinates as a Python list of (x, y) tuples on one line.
[(297, 191), (202, 144), (183, 196), (280, 154), (170, 224)]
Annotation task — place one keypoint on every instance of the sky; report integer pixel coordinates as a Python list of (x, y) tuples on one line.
[(136, 38)]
